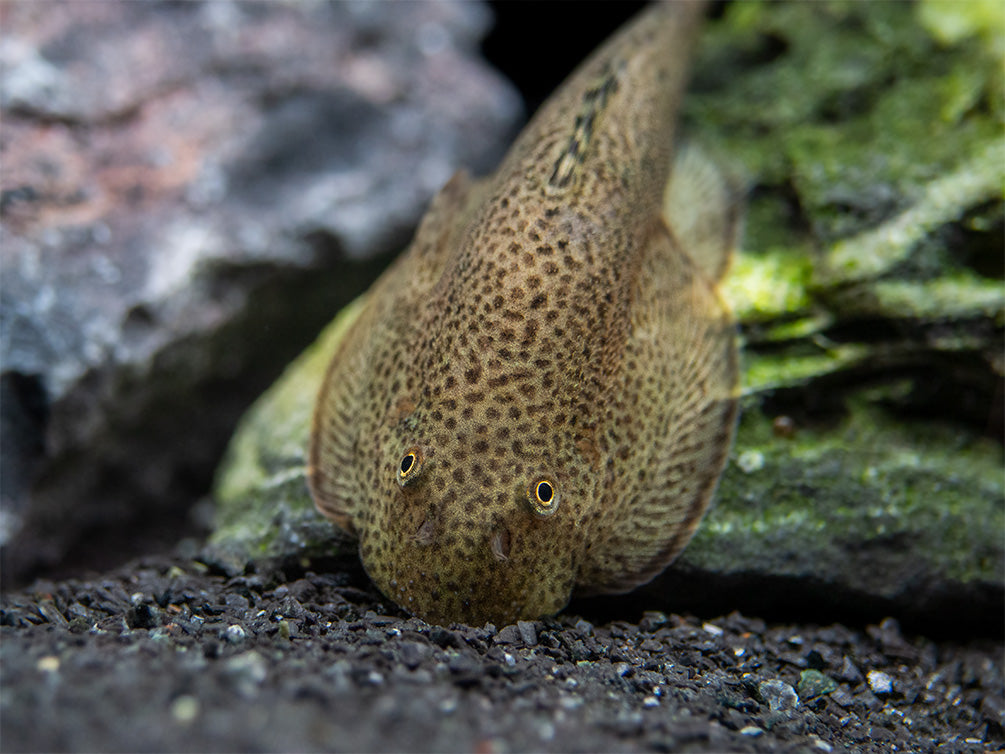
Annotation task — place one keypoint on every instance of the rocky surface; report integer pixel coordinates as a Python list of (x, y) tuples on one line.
[(866, 475), (164, 656), (190, 192)]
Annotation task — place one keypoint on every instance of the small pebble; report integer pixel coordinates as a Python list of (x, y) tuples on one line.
[(246, 672), (235, 634), (842, 698), (528, 634), (652, 620), (584, 627), (880, 683), (650, 701), (750, 461), (849, 672), (48, 664), (545, 730), (821, 744), (783, 426), (751, 730), (185, 709), (813, 683), (444, 638), (337, 676), (570, 702), (507, 635), (711, 628), (49, 611), (778, 695), (413, 653), (448, 705)]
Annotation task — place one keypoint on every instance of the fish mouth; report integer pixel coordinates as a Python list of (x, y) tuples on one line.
[(425, 535), (493, 595), (442, 574)]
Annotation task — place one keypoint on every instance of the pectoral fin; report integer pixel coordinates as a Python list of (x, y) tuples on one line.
[(676, 403), (703, 207)]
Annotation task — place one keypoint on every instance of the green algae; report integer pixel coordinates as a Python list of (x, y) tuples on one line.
[(944, 200), (798, 365), (841, 94), (962, 295), (832, 503), (873, 141), (769, 284), (263, 507), (951, 21)]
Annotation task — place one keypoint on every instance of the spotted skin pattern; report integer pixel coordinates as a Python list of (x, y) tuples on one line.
[(539, 394)]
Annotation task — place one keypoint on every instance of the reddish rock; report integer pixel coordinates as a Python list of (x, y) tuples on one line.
[(189, 192)]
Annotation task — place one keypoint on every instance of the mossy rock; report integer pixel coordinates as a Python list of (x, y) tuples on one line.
[(264, 511), (867, 468)]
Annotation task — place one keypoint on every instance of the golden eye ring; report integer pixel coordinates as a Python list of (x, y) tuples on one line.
[(410, 466), (543, 497)]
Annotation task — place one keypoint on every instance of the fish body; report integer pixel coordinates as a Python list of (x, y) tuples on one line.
[(539, 395)]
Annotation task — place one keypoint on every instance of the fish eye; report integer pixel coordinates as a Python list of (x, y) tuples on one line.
[(410, 465), (543, 497)]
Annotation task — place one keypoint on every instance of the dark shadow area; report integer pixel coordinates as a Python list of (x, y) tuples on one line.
[(134, 520), (960, 613), (958, 391), (537, 45)]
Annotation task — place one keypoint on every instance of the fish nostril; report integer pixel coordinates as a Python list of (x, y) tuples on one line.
[(500, 544), (425, 534)]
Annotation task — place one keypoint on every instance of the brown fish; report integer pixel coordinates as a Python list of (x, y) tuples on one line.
[(540, 394)]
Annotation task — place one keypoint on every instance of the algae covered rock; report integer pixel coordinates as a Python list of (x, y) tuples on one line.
[(264, 510), (867, 470)]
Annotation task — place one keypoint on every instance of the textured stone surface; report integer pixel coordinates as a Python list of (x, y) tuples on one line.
[(866, 475), (189, 192)]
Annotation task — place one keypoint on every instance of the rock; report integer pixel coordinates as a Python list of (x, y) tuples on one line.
[(870, 296), (190, 192), (528, 632), (880, 683), (413, 653), (848, 672), (185, 709), (882, 494), (652, 620), (246, 672), (235, 634), (508, 635), (813, 683), (778, 695)]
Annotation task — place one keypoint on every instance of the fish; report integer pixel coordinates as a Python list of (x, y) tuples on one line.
[(539, 395)]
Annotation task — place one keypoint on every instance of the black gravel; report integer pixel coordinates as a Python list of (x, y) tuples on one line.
[(167, 656)]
